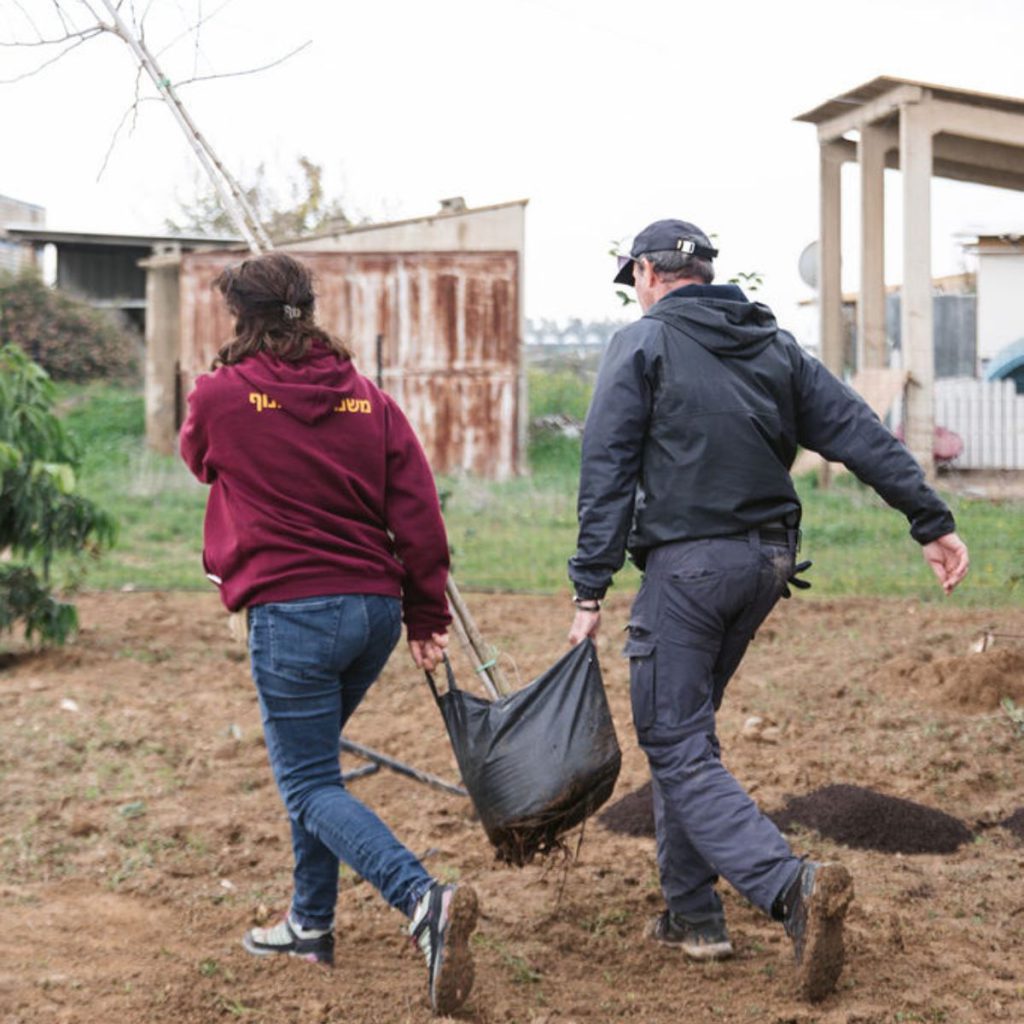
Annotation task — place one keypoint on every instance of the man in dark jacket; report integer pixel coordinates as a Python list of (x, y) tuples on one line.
[(695, 421)]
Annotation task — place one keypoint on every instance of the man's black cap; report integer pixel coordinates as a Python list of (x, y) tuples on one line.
[(665, 236)]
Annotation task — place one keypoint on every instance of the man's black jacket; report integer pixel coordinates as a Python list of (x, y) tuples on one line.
[(695, 421)]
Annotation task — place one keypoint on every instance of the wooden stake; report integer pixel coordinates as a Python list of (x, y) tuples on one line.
[(487, 666)]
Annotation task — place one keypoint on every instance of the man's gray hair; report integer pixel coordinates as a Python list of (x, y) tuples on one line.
[(671, 264)]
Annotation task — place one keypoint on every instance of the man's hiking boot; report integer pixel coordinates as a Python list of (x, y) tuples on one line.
[(311, 944), (442, 923), (699, 936), (812, 910)]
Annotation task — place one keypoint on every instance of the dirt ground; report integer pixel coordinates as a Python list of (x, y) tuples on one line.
[(141, 834)]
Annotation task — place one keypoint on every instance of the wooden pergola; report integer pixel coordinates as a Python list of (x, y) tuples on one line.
[(923, 130)]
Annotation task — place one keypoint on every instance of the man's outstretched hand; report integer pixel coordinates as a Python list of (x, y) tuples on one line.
[(949, 560), (428, 653)]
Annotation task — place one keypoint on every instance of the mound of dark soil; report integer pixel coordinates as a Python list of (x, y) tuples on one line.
[(863, 818), (632, 815), (1015, 823), (850, 815)]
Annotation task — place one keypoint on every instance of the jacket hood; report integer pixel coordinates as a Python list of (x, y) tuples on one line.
[(719, 317), (307, 391)]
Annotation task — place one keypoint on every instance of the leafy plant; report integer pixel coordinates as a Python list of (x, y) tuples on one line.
[(1015, 714), (40, 513), (751, 281)]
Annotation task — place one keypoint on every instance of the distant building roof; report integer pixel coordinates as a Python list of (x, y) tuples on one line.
[(45, 236), (1002, 243), (450, 208), (20, 202)]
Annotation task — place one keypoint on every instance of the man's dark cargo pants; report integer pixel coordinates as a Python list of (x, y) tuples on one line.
[(698, 608)]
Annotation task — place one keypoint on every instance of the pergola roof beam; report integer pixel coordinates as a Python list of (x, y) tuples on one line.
[(958, 159), (870, 113), (998, 126)]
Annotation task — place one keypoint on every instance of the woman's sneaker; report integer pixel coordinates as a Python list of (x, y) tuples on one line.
[(313, 944), (442, 923), (700, 937)]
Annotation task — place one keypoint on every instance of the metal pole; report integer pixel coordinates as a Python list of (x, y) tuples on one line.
[(402, 769)]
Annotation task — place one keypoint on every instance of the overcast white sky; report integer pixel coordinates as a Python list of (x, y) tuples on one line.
[(605, 115)]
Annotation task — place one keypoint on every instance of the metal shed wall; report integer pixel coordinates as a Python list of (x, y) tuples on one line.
[(449, 330)]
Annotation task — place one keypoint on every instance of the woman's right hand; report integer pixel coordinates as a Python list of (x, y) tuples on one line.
[(428, 653)]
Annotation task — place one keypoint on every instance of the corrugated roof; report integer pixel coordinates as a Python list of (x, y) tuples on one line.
[(442, 214), (864, 94)]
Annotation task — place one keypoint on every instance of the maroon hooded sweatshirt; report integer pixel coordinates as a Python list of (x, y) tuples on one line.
[(318, 486)]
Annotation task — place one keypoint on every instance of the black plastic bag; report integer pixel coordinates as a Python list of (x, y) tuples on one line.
[(538, 761)]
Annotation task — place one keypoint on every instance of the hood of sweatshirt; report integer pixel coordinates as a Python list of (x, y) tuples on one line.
[(718, 317), (307, 391)]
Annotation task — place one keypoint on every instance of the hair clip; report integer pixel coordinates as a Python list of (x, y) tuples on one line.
[(292, 312)]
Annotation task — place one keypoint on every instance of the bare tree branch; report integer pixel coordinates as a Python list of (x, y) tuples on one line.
[(133, 112), (28, 18), (227, 187), (195, 50), (138, 92), (53, 60), (247, 71), (193, 28), (86, 33), (232, 196), (60, 15)]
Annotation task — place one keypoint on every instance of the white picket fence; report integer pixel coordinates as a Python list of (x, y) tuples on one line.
[(989, 417)]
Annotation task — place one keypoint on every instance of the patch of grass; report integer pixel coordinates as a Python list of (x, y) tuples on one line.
[(520, 971), (209, 967), (156, 502), (518, 535)]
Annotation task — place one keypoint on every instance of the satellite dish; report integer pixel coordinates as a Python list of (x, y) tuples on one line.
[(807, 265)]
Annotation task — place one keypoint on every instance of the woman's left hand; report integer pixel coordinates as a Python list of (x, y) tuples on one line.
[(428, 653)]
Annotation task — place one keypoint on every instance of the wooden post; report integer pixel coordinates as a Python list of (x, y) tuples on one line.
[(830, 290), (871, 347), (916, 307), (487, 667)]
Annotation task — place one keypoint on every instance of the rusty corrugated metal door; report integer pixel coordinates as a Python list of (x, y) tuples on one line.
[(449, 324)]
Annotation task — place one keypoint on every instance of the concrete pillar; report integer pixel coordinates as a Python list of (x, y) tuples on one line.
[(830, 289), (871, 343), (916, 307), (163, 349)]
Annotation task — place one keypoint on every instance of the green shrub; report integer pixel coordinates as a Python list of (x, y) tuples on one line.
[(65, 336), (559, 391)]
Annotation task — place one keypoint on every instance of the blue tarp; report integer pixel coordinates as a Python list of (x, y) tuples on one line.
[(1008, 364)]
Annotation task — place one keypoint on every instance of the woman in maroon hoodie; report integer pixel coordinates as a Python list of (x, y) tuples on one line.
[(323, 522)]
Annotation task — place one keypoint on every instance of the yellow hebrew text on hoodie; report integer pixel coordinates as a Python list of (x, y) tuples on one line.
[(262, 401), (353, 405)]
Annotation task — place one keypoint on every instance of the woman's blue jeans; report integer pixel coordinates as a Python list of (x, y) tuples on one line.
[(313, 661)]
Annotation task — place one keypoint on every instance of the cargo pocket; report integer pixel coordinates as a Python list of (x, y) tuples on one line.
[(640, 648)]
